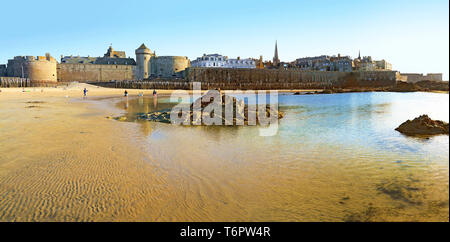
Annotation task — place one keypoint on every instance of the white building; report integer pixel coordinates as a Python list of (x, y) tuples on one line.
[(220, 61)]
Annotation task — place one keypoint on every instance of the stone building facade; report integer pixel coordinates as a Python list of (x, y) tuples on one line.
[(383, 65), (111, 53), (340, 63), (40, 69), (2, 70), (220, 61), (324, 63), (113, 66)]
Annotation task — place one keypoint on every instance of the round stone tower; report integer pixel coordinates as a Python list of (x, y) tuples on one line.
[(169, 66), (143, 57), (40, 69)]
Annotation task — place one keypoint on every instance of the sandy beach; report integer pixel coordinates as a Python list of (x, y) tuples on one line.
[(96, 175), (61, 159)]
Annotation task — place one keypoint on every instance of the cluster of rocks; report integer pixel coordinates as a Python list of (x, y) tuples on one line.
[(162, 116), (339, 90), (121, 118), (422, 86), (404, 87), (198, 111), (305, 93), (423, 125), (400, 86), (433, 85)]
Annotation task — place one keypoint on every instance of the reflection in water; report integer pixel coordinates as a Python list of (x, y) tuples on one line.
[(155, 101), (335, 158), (142, 104)]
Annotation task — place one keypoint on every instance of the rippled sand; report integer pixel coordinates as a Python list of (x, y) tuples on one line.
[(62, 160)]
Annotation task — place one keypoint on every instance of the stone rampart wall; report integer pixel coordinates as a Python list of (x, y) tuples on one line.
[(256, 79), (94, 72)]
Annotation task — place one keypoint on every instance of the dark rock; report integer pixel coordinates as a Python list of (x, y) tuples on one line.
[(423, 125), (404, 87), (327, 91), (162, 116), (433, 85), (35, 102), (123, 118)]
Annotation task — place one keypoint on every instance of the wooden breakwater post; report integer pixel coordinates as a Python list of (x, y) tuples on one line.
[(14, 82), (159, 84)]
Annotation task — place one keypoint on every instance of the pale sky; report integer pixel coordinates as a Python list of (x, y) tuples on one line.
[(411, 34)]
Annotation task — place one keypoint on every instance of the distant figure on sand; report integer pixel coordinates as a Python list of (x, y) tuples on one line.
[(126, 93), (154, 92), (85, 92)]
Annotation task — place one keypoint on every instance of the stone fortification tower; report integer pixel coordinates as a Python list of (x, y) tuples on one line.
[(143, 58), (40, 69), (168, 66)]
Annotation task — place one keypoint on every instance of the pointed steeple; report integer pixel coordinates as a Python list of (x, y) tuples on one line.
[(359, 55), (276, 60)]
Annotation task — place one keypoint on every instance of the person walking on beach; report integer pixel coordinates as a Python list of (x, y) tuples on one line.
[(126, 93), (154, 92), (85, 92)]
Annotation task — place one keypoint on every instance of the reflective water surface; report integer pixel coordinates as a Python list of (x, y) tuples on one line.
[(335, 158)]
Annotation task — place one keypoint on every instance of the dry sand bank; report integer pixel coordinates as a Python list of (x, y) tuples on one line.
[(63, 161), (76, 90)]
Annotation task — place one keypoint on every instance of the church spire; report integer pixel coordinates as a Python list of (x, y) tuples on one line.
[(276, 60), (359, 54)]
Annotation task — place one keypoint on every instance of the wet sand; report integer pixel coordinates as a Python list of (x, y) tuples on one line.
[(62, 160)]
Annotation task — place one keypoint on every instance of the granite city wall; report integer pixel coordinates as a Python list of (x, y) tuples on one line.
[(257, 79), (94, 72), (417, 77)]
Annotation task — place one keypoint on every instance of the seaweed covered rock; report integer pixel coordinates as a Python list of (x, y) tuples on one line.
[(201, 109), (423, 125), (162, 116)]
